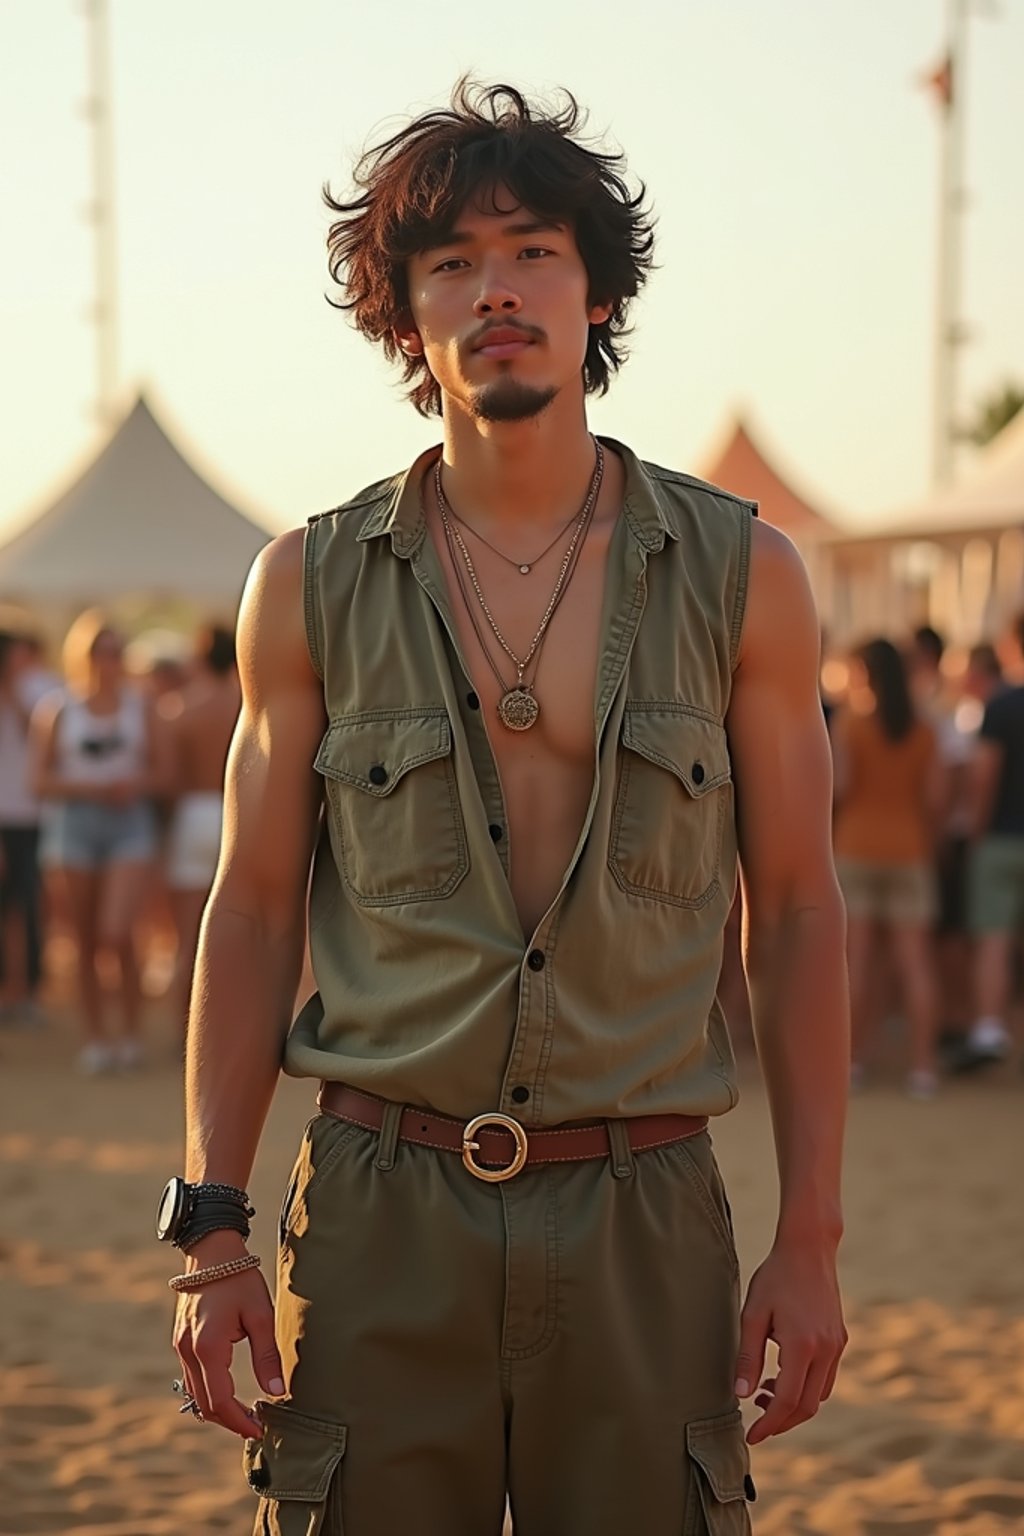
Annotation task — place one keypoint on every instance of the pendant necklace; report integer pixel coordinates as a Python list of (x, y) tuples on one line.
[(518, 709)]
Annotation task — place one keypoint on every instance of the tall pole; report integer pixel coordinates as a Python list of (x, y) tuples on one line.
[(950, 331), (100, 213)]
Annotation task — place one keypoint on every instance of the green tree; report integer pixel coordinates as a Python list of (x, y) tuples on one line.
[(994, 412)]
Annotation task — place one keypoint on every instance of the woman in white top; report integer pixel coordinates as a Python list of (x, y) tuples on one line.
[(100, 759)]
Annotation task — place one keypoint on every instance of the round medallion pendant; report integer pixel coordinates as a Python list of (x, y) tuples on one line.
[(518, 709)]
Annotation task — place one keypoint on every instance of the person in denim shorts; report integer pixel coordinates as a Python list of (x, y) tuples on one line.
[(100, 762)]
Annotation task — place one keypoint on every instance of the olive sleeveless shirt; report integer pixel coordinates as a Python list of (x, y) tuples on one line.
[(427, 992)]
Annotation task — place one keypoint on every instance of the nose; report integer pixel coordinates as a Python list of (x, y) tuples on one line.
[(497, 295)]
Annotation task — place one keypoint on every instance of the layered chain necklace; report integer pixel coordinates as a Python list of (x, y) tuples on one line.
[(517, 708)]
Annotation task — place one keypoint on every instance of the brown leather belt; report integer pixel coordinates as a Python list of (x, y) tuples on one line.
[(494, 1146)]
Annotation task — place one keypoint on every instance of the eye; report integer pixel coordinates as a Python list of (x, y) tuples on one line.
[(450, 264), (531, 252)]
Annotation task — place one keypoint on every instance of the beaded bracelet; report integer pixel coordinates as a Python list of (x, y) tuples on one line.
[(212, 1190), (195, 1279)]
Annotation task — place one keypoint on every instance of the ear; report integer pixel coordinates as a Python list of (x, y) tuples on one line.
[(408, 337), (597, 314)]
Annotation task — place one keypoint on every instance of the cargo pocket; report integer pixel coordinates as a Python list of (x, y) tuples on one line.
[(295, 1471), (673, 793), (395, 811), (720, 1481)]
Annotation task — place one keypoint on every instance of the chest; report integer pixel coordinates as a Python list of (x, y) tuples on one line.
[(496, 640)]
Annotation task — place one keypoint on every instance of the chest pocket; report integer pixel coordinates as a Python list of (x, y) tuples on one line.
[(399, 830), (673, 794)]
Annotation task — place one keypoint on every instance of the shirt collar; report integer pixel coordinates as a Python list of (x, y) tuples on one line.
[(397, 510)]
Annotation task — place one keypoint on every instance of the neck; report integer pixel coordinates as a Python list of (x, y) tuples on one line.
[(518, 474)]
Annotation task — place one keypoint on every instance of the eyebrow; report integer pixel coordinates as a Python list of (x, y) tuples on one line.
[(464, 237)]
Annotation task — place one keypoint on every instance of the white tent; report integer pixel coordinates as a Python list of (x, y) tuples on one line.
[(954, 560), (990, 495), (139, 521)]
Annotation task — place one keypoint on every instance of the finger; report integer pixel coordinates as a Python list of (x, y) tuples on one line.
[(754, 1326), (814, 1384), (794, 1365), (193, 1376), (837, 1355), (214, 1357), (830, 1379), (258, 1323)]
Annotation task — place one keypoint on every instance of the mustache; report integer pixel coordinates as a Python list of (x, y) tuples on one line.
[(479, 337)]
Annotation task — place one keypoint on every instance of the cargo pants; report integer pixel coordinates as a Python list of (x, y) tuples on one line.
[(566, 1338)]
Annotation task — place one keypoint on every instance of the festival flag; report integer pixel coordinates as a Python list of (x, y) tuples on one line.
[(940, 82)]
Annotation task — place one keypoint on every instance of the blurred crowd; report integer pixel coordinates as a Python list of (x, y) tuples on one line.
[(928, 752), (111, 781), (110, 816)]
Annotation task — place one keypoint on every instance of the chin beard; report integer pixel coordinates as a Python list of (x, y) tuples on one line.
[(509, 400)]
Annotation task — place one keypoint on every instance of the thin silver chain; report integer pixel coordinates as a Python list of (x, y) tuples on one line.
[(581, 520), (523, 566)]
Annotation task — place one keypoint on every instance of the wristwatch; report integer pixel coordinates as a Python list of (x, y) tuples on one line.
[(180, 1201)]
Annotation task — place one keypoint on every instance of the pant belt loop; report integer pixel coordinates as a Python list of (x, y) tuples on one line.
[(387, 1141), (622, 1153)]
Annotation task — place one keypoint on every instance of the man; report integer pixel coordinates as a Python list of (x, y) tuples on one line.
[(518, 680), (201, 726), (996, 871)]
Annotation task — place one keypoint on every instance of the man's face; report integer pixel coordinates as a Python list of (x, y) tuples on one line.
[(500, 312)]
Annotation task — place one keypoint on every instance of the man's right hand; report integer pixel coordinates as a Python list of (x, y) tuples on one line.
[(208, 1323)]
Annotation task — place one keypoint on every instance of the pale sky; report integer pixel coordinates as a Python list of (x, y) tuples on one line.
[(791, 161)]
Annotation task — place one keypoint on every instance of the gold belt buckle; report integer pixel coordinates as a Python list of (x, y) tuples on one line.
[(469, 1146)]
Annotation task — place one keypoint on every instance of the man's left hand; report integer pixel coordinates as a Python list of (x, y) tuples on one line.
[(793, 1299)]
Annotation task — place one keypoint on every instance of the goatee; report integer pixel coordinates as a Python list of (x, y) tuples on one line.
[(509, 400)]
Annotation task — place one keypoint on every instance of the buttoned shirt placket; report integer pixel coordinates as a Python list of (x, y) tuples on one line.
[(639, 532)]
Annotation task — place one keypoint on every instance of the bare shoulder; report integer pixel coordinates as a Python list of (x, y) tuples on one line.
[(780, 627), (271, 638)]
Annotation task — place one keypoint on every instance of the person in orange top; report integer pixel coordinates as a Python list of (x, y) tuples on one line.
[(889, 793)]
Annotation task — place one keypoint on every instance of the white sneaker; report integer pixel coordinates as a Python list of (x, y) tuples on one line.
[(922, 1083), (96, 1057), (129, 1054), (991, 1038)]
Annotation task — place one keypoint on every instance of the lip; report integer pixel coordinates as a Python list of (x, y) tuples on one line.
[(504, 342)]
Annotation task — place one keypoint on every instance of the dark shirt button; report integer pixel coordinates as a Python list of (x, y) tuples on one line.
[(520, 1094), (749, 1489), (697, 772), (497, 833), (535, 959), (473, 700), (378, 774)]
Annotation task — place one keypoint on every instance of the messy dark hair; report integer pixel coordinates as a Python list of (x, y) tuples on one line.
[(887, 679), (412, 187)]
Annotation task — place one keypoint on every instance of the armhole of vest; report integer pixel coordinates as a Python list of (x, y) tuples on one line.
[(747, 513), (311, 598)]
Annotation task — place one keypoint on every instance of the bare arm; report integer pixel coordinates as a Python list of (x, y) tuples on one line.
[(158, 774), (47, 781), (794, 946), (248, 964), (250, 947)]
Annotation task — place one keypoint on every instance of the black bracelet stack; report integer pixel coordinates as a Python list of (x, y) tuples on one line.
[(214, 1208)]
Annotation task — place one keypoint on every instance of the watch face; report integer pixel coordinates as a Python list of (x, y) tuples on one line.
[(171, 1209)]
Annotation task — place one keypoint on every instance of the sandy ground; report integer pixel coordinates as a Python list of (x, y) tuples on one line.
[(924, 1436)]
